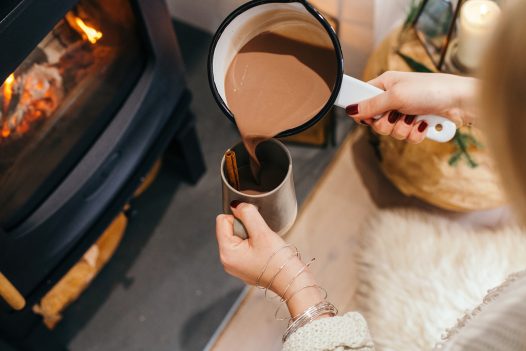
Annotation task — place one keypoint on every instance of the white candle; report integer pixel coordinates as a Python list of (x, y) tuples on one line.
[(477, 20)]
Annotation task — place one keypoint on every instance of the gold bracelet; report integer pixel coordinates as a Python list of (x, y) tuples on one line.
[(294, 294), (282, 297), (297, 254), (309, 315), (268, 262)]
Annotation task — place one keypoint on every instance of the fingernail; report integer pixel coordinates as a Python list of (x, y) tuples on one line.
[(394, 116), (352, 109), (235, 203), (422, 126), (409, 119)]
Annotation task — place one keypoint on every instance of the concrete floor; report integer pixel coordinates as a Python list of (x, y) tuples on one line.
[(165, 289)]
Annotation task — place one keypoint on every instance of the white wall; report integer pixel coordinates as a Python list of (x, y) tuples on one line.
[(356, 30), (363, 25), (388, 14), (204, 14), (362, 22)]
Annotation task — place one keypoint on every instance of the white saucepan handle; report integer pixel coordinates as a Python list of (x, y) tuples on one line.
[(353, 91)]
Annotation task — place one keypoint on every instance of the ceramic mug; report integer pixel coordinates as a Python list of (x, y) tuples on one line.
[(299, 20), (278, 206)]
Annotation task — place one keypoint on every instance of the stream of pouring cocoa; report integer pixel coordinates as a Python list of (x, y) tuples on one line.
[(274, 84)]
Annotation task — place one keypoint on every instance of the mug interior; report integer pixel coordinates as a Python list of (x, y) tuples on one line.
[(272, 154), (293, 20)]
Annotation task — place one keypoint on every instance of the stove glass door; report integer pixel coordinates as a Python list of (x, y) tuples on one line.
[(61, 97)]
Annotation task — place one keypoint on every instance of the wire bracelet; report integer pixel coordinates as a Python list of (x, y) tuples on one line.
[(268, 262), (287, 261), (309, 315), (292, 296), (303, 269)]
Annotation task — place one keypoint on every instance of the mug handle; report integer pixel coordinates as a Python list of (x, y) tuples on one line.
[(354, 90)]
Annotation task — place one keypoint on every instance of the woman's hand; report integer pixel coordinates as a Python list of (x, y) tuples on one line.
[(411, 94), (246, 259)]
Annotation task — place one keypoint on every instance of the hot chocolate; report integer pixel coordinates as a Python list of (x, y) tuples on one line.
[(276, 83), (269, 179)]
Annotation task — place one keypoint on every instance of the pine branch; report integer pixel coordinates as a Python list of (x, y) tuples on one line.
[(463, 141), (453, 161)]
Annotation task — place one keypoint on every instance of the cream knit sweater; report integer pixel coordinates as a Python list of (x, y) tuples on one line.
[(498, 324), (348, 332)]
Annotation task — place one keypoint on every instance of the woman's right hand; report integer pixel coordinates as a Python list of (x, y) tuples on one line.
[(411, 94)]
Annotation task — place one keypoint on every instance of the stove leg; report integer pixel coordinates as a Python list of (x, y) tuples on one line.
[(184, 153)]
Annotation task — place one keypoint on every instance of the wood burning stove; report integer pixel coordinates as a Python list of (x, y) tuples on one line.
[(93, 92), (56, 103)]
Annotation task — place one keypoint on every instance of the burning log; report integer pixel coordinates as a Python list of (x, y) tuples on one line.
[(35, 94), (35, 90)]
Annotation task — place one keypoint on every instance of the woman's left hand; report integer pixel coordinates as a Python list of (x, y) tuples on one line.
[(265, 251), (245, 259)]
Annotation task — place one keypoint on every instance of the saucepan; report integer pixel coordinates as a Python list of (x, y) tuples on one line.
[(299, 20)]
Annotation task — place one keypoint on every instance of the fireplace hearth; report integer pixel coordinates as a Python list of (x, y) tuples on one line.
[(93, 94)]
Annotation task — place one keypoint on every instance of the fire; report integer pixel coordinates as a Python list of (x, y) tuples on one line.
[(8, 90), (9, 80), (90, 33), (27, 98)]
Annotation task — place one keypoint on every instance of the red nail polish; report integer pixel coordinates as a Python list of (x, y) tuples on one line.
[(409, 119), (352, 109), (422, 126), (393, 117), (235, 203)]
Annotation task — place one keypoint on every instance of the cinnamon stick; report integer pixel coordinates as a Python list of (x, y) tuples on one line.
[(231, 169)]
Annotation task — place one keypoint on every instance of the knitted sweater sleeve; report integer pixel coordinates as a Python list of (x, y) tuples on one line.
[(348, 332)]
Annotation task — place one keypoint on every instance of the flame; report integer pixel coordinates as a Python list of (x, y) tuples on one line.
[(91, 34), (9, 80), (37, 95), (8, 90), (6, 132)]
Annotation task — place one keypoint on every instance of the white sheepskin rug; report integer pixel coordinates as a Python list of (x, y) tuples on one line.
[(419, 273)]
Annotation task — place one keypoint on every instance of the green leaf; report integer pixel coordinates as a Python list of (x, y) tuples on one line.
[(471, 162), (413, 12), (453, 160), (414, 65)]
